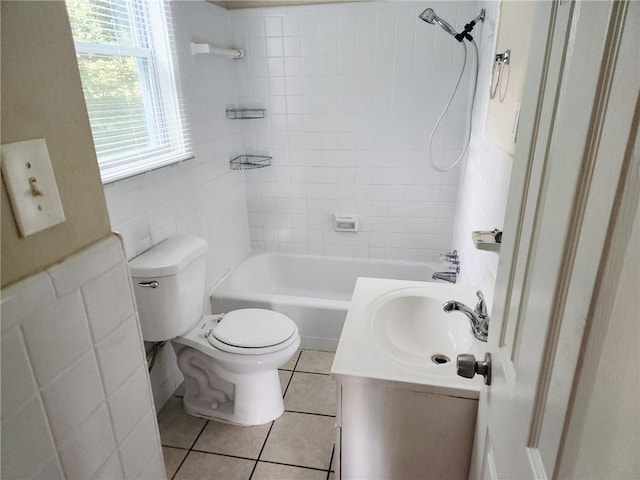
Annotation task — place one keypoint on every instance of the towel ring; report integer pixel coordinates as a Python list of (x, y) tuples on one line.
[(502, 61)]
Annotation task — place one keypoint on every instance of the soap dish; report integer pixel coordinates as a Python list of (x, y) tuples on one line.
[(486, 241)]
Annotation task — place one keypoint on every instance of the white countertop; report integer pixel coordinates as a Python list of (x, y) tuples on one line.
[(359, 356)]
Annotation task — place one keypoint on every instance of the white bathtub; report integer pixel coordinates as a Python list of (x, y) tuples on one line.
[(314, 291)]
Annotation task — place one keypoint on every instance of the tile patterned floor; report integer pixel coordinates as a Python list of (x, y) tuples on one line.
[(298, 445)]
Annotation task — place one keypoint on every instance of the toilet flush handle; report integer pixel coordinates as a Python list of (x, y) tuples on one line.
[(152, 284)]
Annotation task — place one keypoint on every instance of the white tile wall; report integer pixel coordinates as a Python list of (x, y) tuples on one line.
[(352, 93), (201, 196), (481, 206), (75, 393), (484, 182)]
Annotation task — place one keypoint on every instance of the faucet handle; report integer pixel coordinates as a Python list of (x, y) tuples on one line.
[(449, 256), (450, 261), (451, 266), (481, 306)]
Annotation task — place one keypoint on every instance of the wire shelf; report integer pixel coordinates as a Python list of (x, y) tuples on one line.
[(245, 113), (249, 162)]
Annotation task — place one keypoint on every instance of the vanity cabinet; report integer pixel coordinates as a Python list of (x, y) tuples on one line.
[(402, 412), (397, 430)]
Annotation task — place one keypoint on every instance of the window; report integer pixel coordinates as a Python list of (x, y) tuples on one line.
[(124, 52)]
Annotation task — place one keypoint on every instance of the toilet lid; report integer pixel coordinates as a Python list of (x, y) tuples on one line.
[(254, 328)]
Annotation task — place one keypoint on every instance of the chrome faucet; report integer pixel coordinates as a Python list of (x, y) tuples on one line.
[(450, 277), (451, 262), (478, 316)]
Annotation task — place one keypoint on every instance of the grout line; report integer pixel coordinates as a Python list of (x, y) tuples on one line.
[(176, 448), (224, 455), (262, 449), (181, 463), (313, 373), (284, 394), (201, 430), (190, 449), (293, 465), (297, 361), (311, 413), (333, 452)]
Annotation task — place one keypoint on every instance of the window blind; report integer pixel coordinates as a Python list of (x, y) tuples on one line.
[(126, 56)]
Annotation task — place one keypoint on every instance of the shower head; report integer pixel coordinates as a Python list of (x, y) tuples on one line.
[(430, 16)]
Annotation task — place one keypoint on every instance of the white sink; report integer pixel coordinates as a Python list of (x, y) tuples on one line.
[(410, 325), (396, 330)]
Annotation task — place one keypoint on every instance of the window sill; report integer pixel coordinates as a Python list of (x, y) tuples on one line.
[(114, 175)]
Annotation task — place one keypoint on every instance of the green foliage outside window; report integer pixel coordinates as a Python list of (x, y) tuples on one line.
[(113, 84)]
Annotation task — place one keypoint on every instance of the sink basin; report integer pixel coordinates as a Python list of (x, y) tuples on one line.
[(395, 327), (410, 325)]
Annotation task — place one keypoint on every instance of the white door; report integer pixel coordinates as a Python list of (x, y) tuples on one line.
[(570, 165)]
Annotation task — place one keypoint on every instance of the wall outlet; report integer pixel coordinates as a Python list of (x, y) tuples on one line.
[(31, 184)]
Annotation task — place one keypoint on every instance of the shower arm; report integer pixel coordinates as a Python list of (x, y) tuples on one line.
[(465, 34)]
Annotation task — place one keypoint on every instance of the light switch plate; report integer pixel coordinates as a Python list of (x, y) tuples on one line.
[(31, 184)]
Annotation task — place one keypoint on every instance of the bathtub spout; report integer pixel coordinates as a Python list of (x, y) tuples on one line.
[(450, 277)]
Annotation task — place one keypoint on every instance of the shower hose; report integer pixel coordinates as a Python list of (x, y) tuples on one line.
[(446, 108)]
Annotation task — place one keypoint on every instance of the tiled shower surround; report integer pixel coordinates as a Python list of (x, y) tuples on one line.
[(352, 92)]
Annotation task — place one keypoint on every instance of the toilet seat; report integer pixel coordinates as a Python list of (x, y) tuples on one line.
[(253, 328), (250, 331)]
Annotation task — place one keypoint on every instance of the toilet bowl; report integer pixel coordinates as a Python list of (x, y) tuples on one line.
[(236, 380), (230, 362)]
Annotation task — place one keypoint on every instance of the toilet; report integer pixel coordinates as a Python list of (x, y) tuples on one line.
[(230, 362)]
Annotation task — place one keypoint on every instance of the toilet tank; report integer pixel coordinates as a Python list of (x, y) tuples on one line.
[(169, 282)]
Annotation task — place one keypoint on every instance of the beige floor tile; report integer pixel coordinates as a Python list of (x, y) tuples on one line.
[(235, 440), (315, 362), (272, 471), (177, 429), (292, 362), (208, 466), (172, 459), (311, 393), (285, 376), (301, 439)]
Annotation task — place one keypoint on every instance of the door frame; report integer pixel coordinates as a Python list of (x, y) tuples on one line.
[(545, 91)]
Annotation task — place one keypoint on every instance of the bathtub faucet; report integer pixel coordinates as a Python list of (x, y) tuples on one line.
[(451, 263), (450, 277), (478, 316)]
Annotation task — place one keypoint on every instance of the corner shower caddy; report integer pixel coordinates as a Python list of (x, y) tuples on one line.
[(250, 162)]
